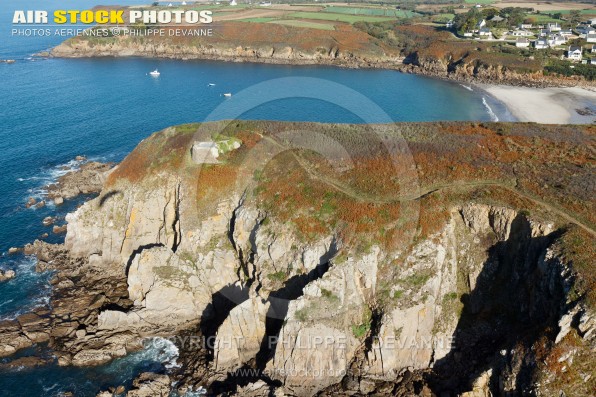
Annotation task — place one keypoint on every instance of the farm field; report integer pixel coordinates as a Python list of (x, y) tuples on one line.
[(385, 12), (327, 16), (304, 24)]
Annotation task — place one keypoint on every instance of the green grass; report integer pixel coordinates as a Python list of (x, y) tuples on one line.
[(327, 16), (583, 12), (542, 18), (479, 1), (360, 330), (443, 17), (304, 24), (258, 20), (278, 276), (379, 12)]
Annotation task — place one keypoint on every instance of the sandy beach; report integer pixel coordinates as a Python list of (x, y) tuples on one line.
[(569, 105)]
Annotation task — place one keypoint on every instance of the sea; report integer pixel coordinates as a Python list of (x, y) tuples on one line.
[(52, 110)]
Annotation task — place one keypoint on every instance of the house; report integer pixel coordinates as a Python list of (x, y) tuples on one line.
[(522, 42), (449, 24), (555, 40), (592, 61), (553, 26), (541, 44), (481, 24), (521, 33), (233, 3), (204, 152), (484, 32), (566, 32), (593, 49), (584, 30), (544, 32), (525, 26), (468, 34), (574, 53), (591, 21), (591, 38)]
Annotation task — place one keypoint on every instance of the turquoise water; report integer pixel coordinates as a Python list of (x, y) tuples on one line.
[(52, 110)]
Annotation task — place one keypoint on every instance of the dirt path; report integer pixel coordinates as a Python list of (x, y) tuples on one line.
[(423, 191)]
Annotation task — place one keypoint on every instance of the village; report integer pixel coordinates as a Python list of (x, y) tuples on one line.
[(577, 40)]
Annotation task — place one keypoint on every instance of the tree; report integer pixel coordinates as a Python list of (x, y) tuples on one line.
[(575, 17), (557, 15)]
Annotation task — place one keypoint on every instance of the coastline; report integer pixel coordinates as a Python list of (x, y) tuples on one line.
[(292, 56), (552, 105)]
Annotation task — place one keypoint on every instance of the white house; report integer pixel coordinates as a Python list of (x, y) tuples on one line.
[(233, 3), (555, 40), (525, 26), (553, 27), (592, 61), (481, 24), (521, 33), (541, 44), (468, 34), (591, 38), (574, 53), (484, 32), (593, 49), (566, 32), (449, 24), (544, 32), (204, 152), (522, 42)]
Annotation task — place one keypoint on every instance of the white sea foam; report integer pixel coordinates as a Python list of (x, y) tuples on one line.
[(467, 87), (27, 275), (492, 114)]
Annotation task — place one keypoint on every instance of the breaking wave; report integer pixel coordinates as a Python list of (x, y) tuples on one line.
[(492, 114)]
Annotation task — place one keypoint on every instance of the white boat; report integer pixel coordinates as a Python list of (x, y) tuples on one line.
[(211, 84), (155, 73), (227, 94)]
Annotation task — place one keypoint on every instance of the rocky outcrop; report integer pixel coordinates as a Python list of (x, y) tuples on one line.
[(87, 179), (6, 274), (459, 311)]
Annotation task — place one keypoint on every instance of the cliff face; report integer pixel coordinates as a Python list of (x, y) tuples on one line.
[(177, 249), (430, 52)]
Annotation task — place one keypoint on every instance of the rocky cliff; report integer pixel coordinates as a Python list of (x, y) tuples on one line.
[(289, 278), (417, 49)]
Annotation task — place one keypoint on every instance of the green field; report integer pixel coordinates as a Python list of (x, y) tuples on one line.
[(564, 12), (479, 1), (389, 12), (304, 24), (327, 16), (542, 18), (259, 20), (443, 17)]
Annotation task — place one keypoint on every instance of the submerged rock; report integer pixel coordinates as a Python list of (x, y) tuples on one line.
[(6, 275)]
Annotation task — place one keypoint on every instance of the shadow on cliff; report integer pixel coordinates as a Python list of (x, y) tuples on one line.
[(517, 299), (276, 314)]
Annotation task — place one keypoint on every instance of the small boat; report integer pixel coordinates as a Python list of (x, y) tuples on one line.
[(227, 94), (211, 84), (155, 73)]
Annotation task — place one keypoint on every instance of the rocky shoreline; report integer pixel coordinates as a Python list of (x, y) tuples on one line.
[(449, 70), (143, 260)]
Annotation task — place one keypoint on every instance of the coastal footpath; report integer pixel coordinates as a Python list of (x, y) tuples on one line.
[(436, 54), (426, 258)]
